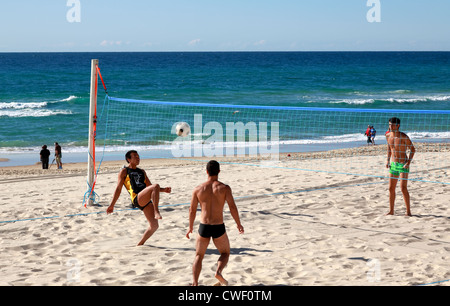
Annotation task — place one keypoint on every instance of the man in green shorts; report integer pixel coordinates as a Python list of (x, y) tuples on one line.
[(398, 145)]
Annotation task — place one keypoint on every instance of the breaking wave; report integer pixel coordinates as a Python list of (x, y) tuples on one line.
[(32, 109)]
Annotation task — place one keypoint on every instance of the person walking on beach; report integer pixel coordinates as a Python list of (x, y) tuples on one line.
[(45, 155), (58, 155), (398, 145), (212, 196), (367, 133), (373, 133), (144, 195)]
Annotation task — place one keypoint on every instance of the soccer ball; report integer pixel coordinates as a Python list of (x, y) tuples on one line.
[(183, 129)]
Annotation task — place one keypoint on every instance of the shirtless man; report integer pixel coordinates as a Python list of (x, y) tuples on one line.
[(398, 145), (212, 196), (144, 195)]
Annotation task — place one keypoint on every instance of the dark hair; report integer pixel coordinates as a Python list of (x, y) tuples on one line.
[(128, 155), (213, 168), (394, 120)]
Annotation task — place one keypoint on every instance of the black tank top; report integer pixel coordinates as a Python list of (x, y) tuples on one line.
[(135, 181)]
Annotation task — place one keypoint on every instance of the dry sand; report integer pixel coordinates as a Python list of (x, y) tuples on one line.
[(301, 227)]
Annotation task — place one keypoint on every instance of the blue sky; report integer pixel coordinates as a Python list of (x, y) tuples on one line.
[(226, 25)]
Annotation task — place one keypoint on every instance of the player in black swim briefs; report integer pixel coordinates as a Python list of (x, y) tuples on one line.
[(212, 196), (211, 231)]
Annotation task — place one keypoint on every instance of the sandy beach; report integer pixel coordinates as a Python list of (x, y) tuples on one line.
[(302, 227)]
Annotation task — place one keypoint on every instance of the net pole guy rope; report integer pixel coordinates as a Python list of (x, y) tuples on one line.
[(92, 120)]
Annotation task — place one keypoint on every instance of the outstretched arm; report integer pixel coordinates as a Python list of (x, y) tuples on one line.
[(117, 191), (233, 209)]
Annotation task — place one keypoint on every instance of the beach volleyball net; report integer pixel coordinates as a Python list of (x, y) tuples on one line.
[(311, 139)]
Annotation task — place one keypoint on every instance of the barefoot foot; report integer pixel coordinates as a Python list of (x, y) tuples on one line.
[(222, 281)]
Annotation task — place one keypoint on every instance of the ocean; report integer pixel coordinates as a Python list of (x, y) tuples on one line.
[(44, 97)]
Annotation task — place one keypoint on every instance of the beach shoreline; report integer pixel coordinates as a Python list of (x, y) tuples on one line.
[(302, 227), (29, 159)]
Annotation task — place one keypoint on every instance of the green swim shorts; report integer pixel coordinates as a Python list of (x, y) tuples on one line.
[(397, 168)]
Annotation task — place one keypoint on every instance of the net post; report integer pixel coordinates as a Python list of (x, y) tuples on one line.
[(92, 119)]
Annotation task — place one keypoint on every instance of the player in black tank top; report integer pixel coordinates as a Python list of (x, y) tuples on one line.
[(144, 195)]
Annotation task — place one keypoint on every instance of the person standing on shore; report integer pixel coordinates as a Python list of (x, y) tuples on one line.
[(373, 133), (212, 196), (58, 155), (398, 144), (45, 155), (367, 133)]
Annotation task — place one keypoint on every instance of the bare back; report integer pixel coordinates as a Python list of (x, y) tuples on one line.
[(399, 143), (211, 195)]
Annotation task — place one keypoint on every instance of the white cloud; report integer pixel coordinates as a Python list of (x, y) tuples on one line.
[(112, 43), (260, 43), (194, 42)]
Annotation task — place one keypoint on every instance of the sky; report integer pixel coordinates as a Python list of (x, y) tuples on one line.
[(225, 25)]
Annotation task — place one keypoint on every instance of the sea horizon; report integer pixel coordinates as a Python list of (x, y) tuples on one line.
[(230, 51), (44, 96)]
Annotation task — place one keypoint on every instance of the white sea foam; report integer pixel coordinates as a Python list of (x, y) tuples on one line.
[(21, 105), (32, 109), (328, 141), (68, 99), (428, 135), (401, 100), (354, 101), (33, 113)]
